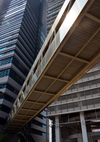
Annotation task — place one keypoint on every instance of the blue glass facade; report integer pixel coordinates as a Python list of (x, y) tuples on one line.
[(22, 33)]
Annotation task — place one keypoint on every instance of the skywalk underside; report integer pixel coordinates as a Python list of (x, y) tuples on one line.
[(78, 51)]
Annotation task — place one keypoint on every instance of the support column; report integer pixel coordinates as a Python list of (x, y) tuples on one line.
[(79, 139), (57, 129), (83, 127)]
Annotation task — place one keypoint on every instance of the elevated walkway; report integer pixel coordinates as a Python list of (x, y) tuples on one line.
[(71, 48)]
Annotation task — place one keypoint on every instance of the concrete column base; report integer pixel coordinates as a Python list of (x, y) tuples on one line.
[(83, 127), (57, 129)]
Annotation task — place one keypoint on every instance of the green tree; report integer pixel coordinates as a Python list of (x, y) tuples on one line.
[(3, 138)]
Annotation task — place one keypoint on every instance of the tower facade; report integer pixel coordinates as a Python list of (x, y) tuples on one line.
[(76, 114), (53, 9), (22, 32), (82, 97)]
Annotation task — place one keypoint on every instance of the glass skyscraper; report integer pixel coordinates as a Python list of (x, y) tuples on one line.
[(53, 9), (22, 32)]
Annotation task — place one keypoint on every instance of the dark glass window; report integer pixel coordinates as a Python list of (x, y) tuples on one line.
[(20, 66), (37, 132), (43, 126), (22, 59), (6, 61), (3, 53), (7, 46), (3, 86), (2, 121), (12, 89), (12, 74), (4, 108), (37, 122), (42, 117), (16, 77), (8, 40), (7, 97), (44, 134), (4, 73)]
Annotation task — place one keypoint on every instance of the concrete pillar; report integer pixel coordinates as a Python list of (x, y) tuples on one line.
[(83, 127), (57, 129), (79, 139)]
